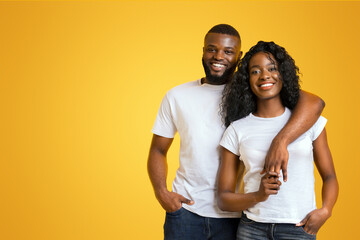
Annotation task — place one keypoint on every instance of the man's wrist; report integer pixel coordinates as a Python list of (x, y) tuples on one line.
[(161, 192), (281, 140)]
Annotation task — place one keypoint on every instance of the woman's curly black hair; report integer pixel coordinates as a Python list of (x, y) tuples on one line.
[(238, 100)]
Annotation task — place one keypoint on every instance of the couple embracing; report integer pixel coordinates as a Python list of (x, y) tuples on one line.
[(254, 125)]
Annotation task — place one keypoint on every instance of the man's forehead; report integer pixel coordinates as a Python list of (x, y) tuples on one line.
[(220, 38)]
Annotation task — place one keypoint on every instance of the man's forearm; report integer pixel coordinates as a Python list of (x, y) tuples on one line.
[(157, 163), (157, 170), (303, 117)]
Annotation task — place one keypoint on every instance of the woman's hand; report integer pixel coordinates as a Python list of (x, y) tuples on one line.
[(314, 220), (269, 185)]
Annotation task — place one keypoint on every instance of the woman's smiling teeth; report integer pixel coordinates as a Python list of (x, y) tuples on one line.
[(266, 85)]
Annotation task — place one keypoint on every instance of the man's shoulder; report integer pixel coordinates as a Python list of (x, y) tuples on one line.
[(186, 85), (179, 89)]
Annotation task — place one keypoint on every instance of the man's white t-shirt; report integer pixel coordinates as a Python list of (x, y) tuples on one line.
[(192, 110), (250, 139)]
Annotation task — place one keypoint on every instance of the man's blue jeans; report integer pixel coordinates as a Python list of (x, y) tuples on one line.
[(185, 225), (251, 230)]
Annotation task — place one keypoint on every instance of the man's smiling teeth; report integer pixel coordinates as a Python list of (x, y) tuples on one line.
[(218, 65), (266, 85)]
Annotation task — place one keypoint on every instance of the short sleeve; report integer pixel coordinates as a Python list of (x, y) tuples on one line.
[(164, 124), (230, 140), (318, 127)]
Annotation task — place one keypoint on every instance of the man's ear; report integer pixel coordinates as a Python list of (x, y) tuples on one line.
[(239, 57)]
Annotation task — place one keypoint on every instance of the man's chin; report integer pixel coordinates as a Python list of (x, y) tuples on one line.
[(217, 80)]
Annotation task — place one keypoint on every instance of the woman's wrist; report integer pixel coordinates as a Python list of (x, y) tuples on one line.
[(327, 211), (259, 197)]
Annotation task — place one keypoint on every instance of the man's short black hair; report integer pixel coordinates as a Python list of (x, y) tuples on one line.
[(224, 29)]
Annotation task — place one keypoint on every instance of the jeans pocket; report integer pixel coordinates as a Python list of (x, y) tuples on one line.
[(176, 213), (245, 220), (303, 230)]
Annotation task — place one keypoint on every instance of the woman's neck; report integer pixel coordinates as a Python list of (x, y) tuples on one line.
[(269, 108)]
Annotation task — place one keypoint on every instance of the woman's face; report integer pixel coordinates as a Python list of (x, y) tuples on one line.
[(265, 79)]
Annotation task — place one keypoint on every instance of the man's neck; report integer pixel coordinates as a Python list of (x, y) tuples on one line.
[(204, 80)]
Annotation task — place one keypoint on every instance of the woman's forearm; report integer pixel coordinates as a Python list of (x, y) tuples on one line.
[(237, 202), (330, 191)]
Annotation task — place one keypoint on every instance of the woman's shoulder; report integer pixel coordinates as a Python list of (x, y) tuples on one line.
[(242, 122)]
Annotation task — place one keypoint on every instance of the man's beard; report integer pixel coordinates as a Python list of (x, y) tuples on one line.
[(218, 80)]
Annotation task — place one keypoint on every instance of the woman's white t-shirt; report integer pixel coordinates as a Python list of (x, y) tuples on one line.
[(250, 139)]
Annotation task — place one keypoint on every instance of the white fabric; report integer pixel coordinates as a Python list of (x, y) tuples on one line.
[(192, 110), (250, 139)]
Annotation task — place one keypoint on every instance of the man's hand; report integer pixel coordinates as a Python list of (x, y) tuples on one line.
[(277, 159), (269, 185), (171, 201), (157, 169), (314, 220), (303, 117)]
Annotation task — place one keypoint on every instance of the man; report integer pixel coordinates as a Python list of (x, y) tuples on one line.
[(192, 109)]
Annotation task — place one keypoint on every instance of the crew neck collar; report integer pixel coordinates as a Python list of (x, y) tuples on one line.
[(271, 118), (212, 86)]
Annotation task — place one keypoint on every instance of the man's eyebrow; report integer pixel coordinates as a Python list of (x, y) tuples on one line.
[(212, 45)]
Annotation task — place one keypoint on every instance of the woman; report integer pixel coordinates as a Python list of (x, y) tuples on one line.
[(256, 105)]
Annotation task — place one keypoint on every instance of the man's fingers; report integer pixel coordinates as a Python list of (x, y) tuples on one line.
[(186, 201), (268, 166), (272, 174), (284, 172), (271, 168), (277, 168)]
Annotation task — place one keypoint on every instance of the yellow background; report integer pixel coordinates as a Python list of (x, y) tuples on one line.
[(81, 83)]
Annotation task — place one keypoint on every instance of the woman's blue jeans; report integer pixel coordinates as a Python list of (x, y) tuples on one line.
[(251, 230)]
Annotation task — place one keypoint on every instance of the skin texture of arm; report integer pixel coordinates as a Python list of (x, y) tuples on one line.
[(157, 170), (228, 199), (330, 189), (303, 117)]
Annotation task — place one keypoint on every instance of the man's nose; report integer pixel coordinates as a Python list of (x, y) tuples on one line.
[(219, 55)]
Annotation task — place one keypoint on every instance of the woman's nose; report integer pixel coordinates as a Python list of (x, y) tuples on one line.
[(264, 75)]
